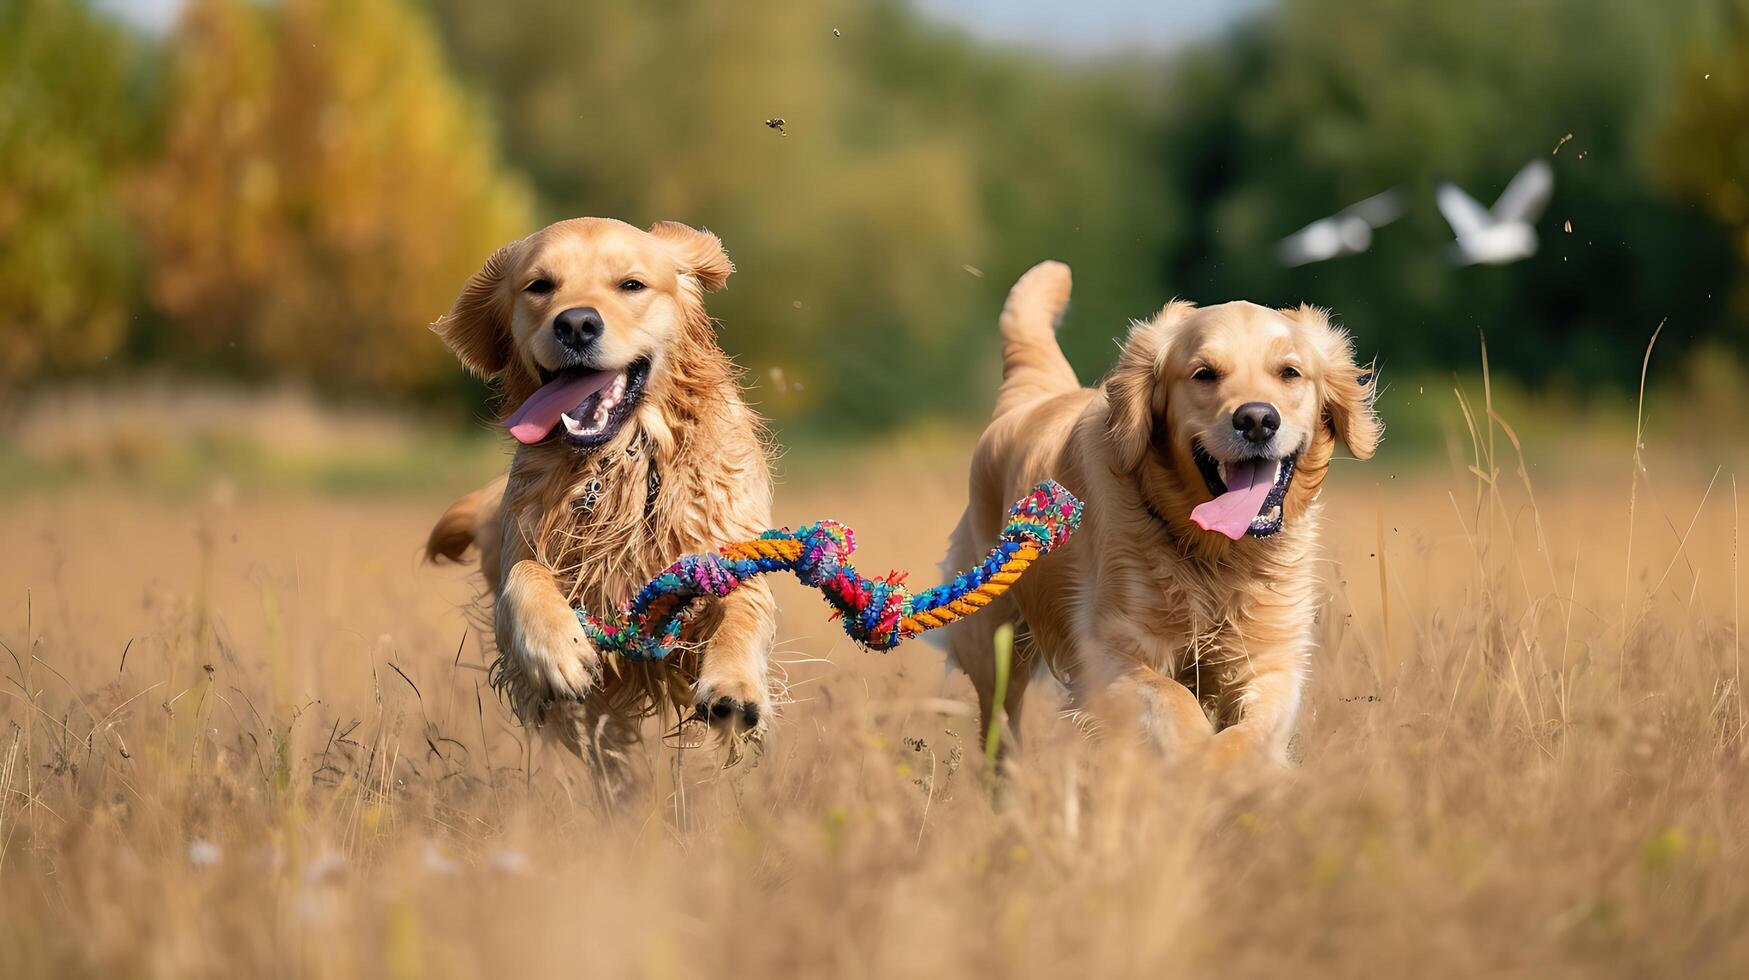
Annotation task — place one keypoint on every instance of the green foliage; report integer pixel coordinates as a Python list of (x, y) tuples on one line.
[(322, 191), (1322, 104), (1704, 155), (907, 155), (299, 187), (68, 273)]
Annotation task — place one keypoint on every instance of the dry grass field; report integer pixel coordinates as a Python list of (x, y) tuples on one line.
[(244, 732)]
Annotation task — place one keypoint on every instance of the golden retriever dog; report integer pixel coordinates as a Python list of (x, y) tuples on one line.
[(1187, 599), (633, 447)]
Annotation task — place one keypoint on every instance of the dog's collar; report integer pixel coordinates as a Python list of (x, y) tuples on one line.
[(592, 490), (652, 478)]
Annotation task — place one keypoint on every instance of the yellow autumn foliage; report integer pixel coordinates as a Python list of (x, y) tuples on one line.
[(322, 190)]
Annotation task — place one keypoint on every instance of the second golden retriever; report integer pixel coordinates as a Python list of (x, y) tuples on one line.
[(1189, 595)]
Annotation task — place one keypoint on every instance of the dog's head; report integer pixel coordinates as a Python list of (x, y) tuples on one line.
[(1229, 415), (577, 321)]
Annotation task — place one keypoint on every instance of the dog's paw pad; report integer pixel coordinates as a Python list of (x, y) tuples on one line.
[(728, 711)]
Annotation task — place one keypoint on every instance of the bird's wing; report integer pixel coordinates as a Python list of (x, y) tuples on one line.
[(1378, 210), (1313, 243), (1527, 194), (1461, 211)]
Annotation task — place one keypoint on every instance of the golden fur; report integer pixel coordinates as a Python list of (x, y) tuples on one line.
[(1202, 638), (545, 546)]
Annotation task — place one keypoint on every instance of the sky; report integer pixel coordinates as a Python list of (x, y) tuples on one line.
[(1091, 26), (1075, 27), (153, 15)]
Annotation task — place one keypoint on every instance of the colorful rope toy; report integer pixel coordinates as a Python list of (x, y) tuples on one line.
[(877, 613)]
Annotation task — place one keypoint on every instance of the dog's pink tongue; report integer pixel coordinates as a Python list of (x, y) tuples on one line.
[(537, 416), (1232, 512)]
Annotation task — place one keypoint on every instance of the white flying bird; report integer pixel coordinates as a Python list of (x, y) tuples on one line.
[(1347, 232), (1503, 233)]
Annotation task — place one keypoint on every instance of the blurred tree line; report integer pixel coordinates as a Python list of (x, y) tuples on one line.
[(1323, 104), (297, 188), (292, 189)]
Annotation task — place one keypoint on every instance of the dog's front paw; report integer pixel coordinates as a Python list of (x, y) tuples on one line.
[(733, 706), (539, 632)]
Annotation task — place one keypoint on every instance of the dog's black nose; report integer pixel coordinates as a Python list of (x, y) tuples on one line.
[(1257, 421), (577, 328)]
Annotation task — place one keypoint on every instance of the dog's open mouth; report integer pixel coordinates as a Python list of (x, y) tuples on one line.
[(589, 405), (1248, 494)]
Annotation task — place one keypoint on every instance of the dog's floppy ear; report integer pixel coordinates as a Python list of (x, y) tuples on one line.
[(699, 252), (1349, 388), (1130, 388), (477, 327)]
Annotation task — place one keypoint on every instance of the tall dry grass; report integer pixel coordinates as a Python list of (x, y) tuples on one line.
[(247, 733)]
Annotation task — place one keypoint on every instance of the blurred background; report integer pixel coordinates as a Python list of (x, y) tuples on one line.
[(213, 199)]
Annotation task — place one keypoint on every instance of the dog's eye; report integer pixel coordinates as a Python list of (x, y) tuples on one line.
[(1205, 373), (539, 287), (632, 285), (1289, 373)]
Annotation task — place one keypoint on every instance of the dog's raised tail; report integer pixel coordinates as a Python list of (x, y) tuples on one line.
[(460, 525), (1033, 365)]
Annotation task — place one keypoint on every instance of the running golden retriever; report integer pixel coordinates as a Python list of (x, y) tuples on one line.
[(1189, 595), (634, 447)]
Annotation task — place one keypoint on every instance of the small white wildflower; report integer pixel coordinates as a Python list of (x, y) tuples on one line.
[(204, 853), (328, 867), (437, 863), (509, 862)]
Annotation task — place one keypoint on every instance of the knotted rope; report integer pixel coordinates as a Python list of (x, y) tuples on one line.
[(877, 613)]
